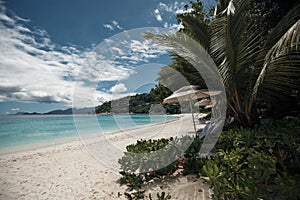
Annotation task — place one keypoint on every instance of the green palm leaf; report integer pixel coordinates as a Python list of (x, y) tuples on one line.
[(281, 66), (186, 47)]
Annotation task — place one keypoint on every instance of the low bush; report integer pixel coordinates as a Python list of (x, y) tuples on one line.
[(258, 163), (261, 163), (139, 158)]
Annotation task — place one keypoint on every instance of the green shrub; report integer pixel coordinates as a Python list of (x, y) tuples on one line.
[(135, 195), (131, 180), (258, 163), (261, 163), (139, 157), (161, 196), (192, 164)]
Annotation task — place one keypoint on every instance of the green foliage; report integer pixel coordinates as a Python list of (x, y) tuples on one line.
[(192, 164), (255, 49), (196, 25), (260, 163), (159, 92), (146, 146), (131, 180), (104, 108), (135, 159), (135, 195), (140, 157), (161, 196), (140, 103), (141, 195), (196, 22)]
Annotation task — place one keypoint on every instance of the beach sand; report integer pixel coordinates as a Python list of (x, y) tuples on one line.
[(80, 171)]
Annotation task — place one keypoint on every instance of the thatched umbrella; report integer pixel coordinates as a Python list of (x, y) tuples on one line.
[(203, 102), (189, 93)]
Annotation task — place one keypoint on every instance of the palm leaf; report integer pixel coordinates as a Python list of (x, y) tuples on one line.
[(234, 50), (195, 29), (184, 46), (193, 52), (281, 65)]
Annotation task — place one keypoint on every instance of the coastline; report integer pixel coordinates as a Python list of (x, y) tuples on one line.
[(70, 171), (40, 144)]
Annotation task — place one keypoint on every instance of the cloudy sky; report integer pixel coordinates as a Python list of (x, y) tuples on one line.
[(59, 53)]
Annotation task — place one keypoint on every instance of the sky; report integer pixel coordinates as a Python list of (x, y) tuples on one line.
[(55, 54)]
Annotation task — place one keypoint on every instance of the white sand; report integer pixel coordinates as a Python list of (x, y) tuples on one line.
[(76, 171)]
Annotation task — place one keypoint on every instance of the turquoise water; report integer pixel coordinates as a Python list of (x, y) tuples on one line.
[(23, 130)]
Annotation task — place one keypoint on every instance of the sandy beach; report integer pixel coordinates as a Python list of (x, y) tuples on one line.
[(87, 168)]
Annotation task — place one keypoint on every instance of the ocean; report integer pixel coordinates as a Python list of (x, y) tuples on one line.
[(33, 129)]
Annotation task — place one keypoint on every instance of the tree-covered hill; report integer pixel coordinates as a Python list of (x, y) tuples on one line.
[(141, 103)]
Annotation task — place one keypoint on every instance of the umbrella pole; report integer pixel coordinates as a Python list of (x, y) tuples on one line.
[(193, 116)]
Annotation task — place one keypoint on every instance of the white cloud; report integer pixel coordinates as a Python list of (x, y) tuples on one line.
[(180, 11), (119, 51), (15, 109), (108, 26), (142, 50), (172, 26), (127, 50), (22, 19), (169, 8), (157, 15), (113, 26), (118, 88), (166, 14), (33, 69), (116, 24)]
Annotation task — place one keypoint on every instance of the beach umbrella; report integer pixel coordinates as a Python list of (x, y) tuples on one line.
[(202, 115), (190, 93), (208, 106), (203, 102)]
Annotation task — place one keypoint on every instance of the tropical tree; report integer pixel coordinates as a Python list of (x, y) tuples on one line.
[(195, 21), (258, 65)]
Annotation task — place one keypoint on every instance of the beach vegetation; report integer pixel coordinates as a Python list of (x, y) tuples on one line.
[(255, 46), (161, 196), (136, 159), (140, 103), (258, 163)]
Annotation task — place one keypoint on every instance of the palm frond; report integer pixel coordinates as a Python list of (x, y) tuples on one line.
[(281, 28), (229, 47), (283, 58), (184, 46), (195, 29), (232, 50)]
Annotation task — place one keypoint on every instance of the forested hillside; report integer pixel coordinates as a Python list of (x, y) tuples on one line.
[(141, 103)]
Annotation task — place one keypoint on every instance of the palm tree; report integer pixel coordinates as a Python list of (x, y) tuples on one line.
[(255, 67)]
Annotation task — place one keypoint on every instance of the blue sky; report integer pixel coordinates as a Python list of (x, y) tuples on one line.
[(57, 52)]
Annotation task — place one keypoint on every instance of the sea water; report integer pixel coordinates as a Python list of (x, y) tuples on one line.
[(31, 129)]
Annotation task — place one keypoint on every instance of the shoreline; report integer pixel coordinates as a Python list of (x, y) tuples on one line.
[(71, 170), (41, 144), (61, 143)]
